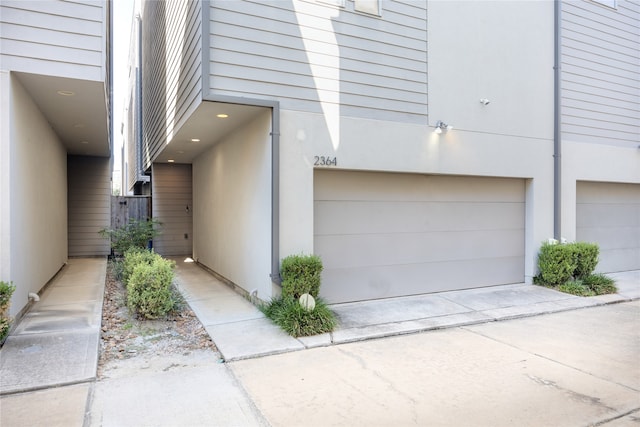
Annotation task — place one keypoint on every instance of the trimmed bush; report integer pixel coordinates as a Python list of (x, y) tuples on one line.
[(296, 320), (134, 257), (301, 275), (586, 256), (149, 291), (569, 267), (556, 263)]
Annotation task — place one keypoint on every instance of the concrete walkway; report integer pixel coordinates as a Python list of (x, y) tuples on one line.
[(241, 331), (57, 341)]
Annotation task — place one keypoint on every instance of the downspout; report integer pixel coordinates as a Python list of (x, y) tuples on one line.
[(275, 194), (139, 164), (557, 136)]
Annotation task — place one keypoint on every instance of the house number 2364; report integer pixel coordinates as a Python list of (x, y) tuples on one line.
[(325, 161)]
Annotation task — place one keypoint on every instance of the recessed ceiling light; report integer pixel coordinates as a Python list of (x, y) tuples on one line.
[(222, 116), (195, 140), (170, 160), (66, 93), (84, 142)]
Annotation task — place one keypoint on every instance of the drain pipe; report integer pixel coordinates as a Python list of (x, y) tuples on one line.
[(557, 136), (275, 194)]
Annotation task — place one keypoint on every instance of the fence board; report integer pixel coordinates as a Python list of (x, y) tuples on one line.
[(126, 208)]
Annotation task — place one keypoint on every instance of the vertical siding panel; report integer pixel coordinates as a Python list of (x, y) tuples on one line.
[(89, 204), (601, 73), (171, 67), (173, 207)]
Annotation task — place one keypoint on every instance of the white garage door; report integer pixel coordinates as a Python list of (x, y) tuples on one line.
[(384, 234), (609, 214)]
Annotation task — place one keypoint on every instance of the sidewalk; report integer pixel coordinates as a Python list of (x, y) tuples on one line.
[(241, 331), (56, 344)]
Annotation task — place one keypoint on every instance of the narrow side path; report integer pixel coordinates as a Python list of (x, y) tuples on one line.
[(57, 341)]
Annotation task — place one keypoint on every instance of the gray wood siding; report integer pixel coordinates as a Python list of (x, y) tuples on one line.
[(172, 71), (367, 66), (609, 214), (62, 38), (89, 204), (172, 205), (601, 72)]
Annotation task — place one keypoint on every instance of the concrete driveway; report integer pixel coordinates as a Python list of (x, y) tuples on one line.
[(574, 368)]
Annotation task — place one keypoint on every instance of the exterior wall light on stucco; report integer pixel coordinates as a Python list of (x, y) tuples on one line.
[(442, 126)]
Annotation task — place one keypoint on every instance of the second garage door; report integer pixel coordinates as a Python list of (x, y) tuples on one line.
[(609, 214), (382, 235)]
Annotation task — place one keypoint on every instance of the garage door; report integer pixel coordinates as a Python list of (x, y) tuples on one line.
[(383, 234), (609, 214)]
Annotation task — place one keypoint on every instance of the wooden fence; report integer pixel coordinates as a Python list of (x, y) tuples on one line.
[(125, 208)]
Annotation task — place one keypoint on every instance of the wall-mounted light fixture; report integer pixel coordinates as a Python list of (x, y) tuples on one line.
[(442, 126)]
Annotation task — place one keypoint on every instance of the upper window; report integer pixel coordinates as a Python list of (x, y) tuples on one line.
[(370, 6), (339, 3), (609, 3)]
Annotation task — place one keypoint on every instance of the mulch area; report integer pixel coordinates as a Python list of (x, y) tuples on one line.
[(124, 336)]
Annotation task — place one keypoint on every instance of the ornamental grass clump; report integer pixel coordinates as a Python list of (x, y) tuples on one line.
[(300, 276), (568, 267), (298, 321)]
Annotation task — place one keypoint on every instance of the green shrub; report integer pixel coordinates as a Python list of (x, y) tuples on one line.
[(134, 234), (117, 268), (586, 258), (556, 263), (301, 275), (576, 287), (569, 267), (149, 289), (296, 320), (134, 257), (6, 291), (600, 284)]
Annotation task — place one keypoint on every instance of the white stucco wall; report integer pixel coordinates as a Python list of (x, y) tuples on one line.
[(37, 193), (5, 175), (387, 146), (232, 207)]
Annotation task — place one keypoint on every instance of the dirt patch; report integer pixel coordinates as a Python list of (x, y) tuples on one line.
[(125, 338)]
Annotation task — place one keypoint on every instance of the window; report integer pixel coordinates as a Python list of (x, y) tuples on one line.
[(608, 3), (368, 6), (339, 3)]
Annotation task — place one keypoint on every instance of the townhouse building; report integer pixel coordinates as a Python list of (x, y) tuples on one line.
[(416, 146), (55, 143)]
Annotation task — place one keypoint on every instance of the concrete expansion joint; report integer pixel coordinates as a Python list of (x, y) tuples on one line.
[(617, 417), (47, 387)]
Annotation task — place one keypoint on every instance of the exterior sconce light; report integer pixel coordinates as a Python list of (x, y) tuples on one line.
[(442, 126)]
